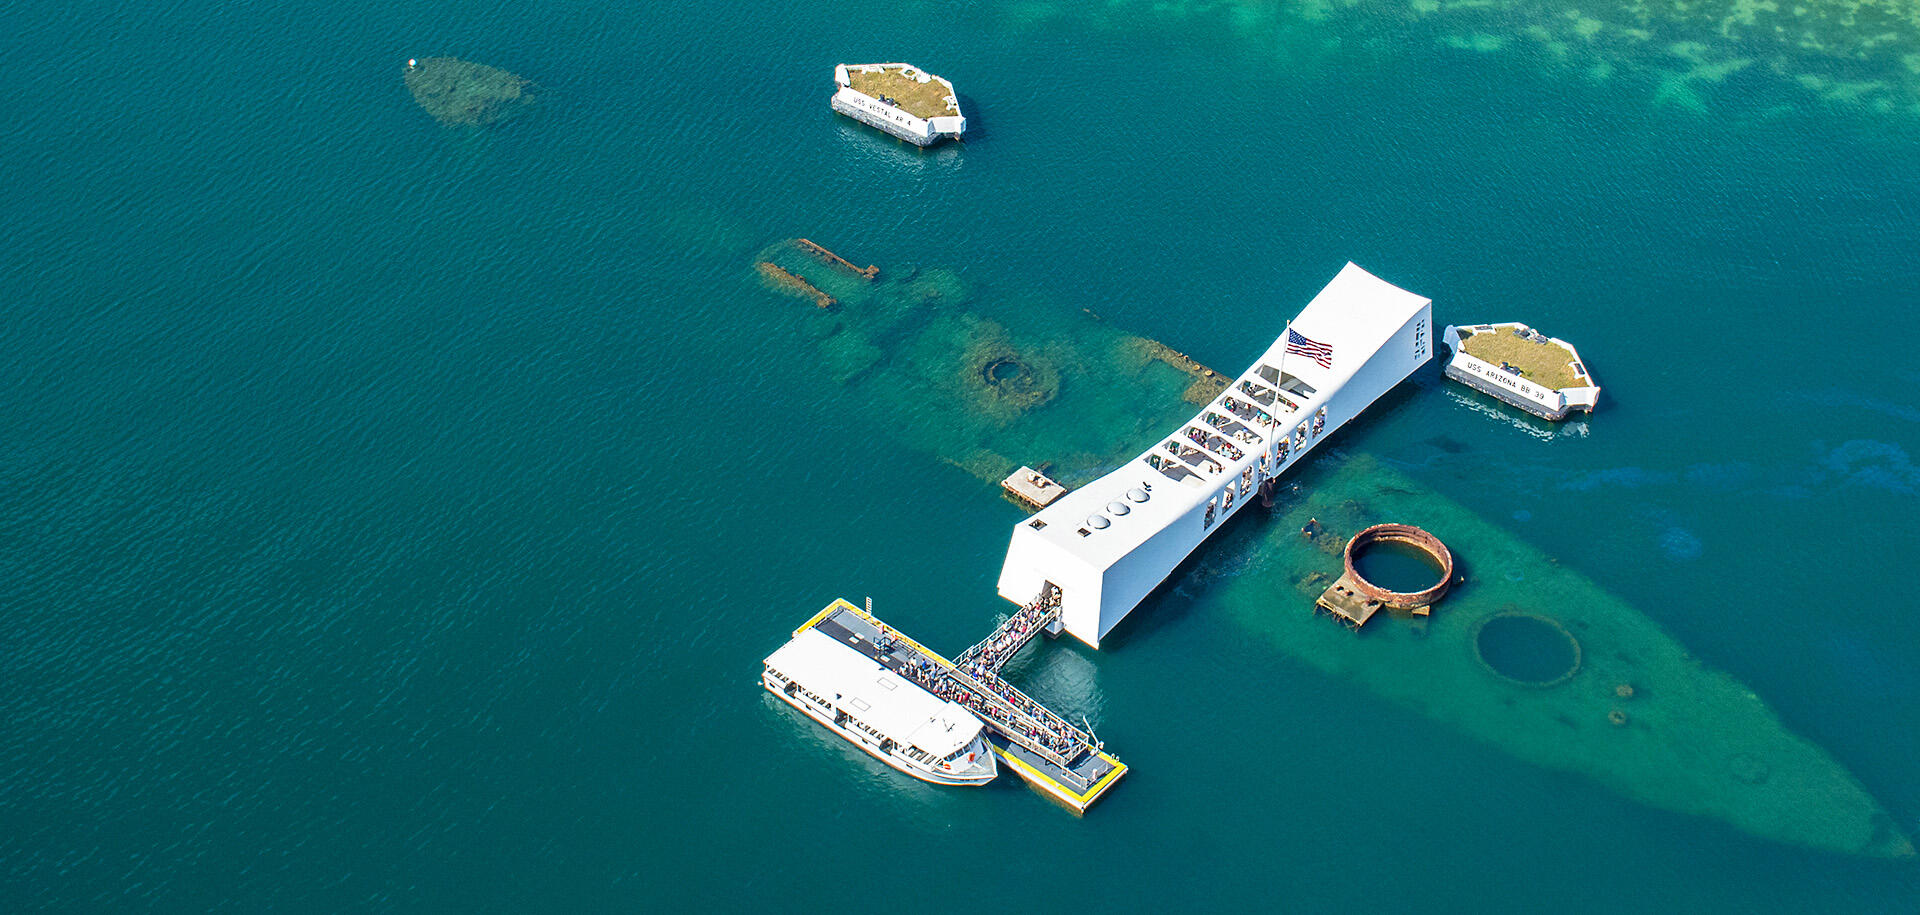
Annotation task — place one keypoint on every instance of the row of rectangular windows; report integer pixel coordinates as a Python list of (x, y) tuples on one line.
[(910, 749)]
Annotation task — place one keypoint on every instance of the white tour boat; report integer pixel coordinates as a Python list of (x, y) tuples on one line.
[(879, 711)]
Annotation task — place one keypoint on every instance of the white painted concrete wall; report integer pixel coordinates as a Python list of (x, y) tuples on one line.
[(1105, 574), (898, 121), (1549, 400)]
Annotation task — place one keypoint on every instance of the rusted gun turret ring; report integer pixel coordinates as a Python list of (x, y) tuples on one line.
[(1411, 536)]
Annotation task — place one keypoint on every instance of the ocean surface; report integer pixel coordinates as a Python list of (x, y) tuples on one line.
[(393, 516)]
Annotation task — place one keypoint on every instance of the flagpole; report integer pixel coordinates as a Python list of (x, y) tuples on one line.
[(1286, 338)]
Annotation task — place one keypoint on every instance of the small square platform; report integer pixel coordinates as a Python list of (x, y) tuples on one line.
[(1032, 487)]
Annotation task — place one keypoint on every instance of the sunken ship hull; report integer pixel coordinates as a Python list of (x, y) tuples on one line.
[(987, 396)]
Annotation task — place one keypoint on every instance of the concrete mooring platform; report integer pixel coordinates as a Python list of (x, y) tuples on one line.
[(1033, 488)]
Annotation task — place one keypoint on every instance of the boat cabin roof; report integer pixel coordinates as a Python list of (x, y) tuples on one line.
[(885, 701)]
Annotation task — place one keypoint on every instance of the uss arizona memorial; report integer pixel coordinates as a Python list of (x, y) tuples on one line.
[(1084, 562), (1105, 546)]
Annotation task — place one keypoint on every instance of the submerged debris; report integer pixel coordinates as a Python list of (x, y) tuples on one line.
[(828, 257), (1206, 384), (459, 92), (1001, 380), (780, 278), (931, 374)]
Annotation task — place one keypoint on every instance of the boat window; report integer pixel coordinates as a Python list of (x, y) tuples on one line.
[(887, 683), (861, 704)]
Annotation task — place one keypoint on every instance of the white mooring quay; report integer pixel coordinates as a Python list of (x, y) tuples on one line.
[(1105, 546)]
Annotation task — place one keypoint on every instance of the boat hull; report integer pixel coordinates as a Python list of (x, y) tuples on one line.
[(974, 778)]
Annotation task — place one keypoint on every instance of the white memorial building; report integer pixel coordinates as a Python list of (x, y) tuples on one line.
[(1108, 544)]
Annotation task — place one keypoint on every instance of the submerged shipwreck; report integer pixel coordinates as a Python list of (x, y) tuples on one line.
[(1539, 660), (463, 93)]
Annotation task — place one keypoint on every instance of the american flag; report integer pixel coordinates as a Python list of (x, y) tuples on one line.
[(1301, 346)]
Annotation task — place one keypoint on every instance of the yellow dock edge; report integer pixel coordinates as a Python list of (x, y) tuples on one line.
[(843, 604), (1077, 801), (838, 604)]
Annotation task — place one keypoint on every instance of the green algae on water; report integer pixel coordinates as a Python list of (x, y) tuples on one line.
[(463, 93), (1689, 54)]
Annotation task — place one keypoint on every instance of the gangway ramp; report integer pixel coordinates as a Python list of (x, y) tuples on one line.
[(1006, 639)]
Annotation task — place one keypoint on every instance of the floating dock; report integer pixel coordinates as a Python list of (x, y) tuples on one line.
[(1063, 761)]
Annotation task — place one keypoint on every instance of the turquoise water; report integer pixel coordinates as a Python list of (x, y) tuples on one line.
[(1397, 566), (395, 517), (1524, 649)]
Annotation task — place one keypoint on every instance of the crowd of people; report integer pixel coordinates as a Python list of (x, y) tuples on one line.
[(982, 663), (1249, 412), (1049, 732), (988, 656), (1213, 443)]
